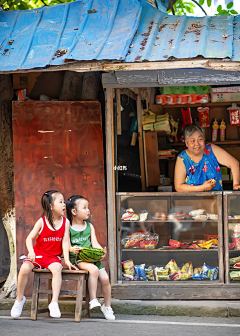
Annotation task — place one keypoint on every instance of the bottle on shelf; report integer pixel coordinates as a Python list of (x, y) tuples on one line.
[(215, 127), (222, 130)]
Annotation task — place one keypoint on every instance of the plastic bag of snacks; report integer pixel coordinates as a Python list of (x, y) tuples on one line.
[(150, 273), (128, 277), (160, 273), (185, 273), (172, 266), (140, 271), (141, 239), (150, 240), (128, 267), (206, 272), (210, 272), (133, 239)]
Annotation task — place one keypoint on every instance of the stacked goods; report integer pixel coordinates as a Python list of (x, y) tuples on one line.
[(170, 272), (90, 254), (234, 268), (195, 245), (183, 95), (182, 99), (194, 214), (141, 239), (170, 153), (157, 123), (160, 123), (130, 215)]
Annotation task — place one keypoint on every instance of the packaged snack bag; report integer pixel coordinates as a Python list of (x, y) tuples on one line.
[(127, 277), (150, 273), (174, 243), (140, 271), (172, 266), (128, 267)]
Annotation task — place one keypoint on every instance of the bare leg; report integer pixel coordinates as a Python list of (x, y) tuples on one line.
[(25, 269), (92, 279), (106, 287), (56, 269)]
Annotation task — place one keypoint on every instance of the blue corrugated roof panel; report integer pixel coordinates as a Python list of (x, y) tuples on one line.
[(37, 34), (120, 30), (161, 36)]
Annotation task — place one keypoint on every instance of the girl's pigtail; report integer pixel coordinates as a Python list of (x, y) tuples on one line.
[(47, 201), (69, 207)]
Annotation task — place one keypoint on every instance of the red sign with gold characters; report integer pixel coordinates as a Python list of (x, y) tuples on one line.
[(203, 116), (234, 116)]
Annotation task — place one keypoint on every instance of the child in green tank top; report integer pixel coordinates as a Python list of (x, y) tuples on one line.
[(82, 234)]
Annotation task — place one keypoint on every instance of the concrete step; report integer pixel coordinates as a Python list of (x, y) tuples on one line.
[(140, 307)]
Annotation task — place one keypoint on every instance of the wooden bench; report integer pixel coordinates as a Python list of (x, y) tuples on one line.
[(79, 276)]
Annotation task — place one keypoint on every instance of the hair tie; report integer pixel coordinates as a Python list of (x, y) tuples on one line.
[(45, 193), (70, 200)]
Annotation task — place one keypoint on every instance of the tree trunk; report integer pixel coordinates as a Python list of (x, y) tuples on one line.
[(7, 179)]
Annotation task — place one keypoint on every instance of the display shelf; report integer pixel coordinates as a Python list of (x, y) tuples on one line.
[(171, 221), (169, 250), (234, 220), (197, 105), (226, 142), (189, 229)]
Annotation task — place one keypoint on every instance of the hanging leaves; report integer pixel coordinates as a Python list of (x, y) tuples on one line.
[(209, 3)]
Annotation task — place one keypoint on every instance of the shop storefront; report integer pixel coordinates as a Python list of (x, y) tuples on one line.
[(167, 244)]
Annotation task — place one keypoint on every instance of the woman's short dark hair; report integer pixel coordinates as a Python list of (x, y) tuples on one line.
[(189, 130)]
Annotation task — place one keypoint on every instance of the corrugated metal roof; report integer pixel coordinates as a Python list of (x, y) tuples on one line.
[(162, 36), (121, 30), (38, 34)]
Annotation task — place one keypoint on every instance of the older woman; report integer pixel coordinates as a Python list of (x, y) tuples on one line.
[(197, 168)]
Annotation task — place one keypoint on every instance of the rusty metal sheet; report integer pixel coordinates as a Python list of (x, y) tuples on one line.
[(57, 145)]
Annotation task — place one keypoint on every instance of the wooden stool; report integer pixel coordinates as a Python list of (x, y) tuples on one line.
[(79, 276)]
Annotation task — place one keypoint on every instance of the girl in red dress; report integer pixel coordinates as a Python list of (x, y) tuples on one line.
[(52, 238)]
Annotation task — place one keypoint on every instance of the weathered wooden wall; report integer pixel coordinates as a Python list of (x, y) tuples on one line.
[(57, 145)]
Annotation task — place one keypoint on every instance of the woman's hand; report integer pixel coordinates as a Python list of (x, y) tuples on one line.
[(208, 185), (236, 187), (75, 249), (105, 253), (70, 265), (32, 256)]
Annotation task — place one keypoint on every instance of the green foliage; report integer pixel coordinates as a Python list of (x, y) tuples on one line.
[(29, 4), (182, 7), (228, 11)]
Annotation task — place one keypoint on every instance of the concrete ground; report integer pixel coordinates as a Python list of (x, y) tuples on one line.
[(138, 307), (123, 325)]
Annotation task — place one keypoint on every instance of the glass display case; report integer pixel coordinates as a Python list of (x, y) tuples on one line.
[(231, 206), (170, 238)]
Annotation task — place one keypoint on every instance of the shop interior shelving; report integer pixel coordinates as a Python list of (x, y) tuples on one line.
[(151, 256)]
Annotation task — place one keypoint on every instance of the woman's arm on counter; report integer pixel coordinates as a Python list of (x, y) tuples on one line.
[(226, 159)]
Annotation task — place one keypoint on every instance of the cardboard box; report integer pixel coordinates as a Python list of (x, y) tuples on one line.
[(225, 97), (25, 81)]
